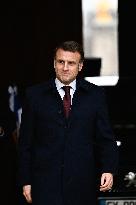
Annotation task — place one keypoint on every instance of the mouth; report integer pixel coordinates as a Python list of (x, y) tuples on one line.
[(65, 74)]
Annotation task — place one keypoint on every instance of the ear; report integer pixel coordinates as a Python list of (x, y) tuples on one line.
[(80, 66)]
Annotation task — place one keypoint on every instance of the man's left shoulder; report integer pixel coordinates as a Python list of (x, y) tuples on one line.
[(91, 86)]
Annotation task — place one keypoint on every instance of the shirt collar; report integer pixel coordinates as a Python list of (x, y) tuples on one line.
[(59, 85)]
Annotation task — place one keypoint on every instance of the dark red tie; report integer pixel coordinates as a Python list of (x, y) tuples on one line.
[(67, 100)]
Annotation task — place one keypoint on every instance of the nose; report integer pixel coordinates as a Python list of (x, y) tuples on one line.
[(65, 66)]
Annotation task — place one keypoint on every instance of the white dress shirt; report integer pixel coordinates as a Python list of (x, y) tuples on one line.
[(61, 91)]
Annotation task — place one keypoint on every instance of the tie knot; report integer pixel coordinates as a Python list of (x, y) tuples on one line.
[(66, 89)]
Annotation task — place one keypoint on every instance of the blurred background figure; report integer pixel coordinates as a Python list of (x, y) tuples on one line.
[(8, 140), (15, 103)]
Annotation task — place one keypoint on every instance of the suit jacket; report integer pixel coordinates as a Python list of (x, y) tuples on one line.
[(57, 156)]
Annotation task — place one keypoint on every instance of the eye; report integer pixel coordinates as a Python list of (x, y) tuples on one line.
[(71, 63), (60, 62)]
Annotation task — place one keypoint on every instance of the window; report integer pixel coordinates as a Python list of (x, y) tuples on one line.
[(100, 39)]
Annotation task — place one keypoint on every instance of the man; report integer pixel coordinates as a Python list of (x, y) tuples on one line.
[(57, 151)]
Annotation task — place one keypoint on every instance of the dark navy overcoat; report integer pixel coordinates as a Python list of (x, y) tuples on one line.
[(57, 156)]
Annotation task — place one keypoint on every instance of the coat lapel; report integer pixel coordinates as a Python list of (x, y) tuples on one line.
[(51, 90), (82, 89)]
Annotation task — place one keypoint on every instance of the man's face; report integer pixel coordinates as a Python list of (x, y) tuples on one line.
[(67, 65)]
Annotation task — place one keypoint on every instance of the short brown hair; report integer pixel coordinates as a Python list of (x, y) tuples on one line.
[(71, 46)]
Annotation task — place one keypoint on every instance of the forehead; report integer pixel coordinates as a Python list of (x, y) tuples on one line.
[(67, 55)]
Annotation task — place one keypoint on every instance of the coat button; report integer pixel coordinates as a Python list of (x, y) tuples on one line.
[(59, 111)]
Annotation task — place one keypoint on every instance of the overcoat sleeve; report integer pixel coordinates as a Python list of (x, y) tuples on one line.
[(105, 140), (25, 140)]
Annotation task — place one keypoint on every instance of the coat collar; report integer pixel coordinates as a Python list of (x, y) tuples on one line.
[(81, 84)]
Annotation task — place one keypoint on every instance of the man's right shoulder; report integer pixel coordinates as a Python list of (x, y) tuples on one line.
[(38, 88)]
